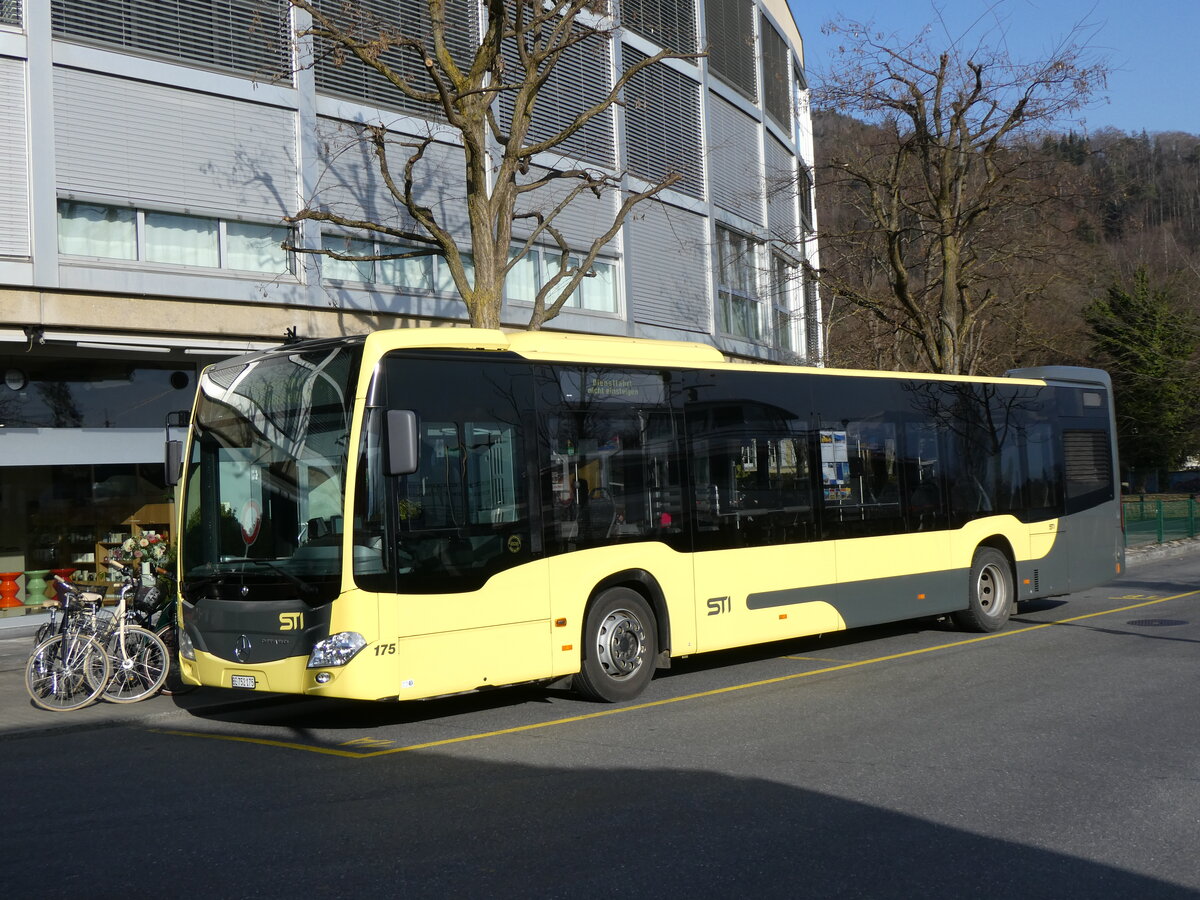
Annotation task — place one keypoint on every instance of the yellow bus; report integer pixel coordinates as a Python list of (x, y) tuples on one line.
[(416, 513)]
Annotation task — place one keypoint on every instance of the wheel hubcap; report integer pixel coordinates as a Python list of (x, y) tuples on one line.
[(991, 592), (622, 645)]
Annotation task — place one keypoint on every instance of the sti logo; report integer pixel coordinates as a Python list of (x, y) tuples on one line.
[(293, 621)]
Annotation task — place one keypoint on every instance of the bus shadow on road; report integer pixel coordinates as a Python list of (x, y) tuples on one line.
[(303, 714)]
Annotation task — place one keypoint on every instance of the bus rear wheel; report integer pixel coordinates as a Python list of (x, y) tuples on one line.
[(991, 593), (620, 642)]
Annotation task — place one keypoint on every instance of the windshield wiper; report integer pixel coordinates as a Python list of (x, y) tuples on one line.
[(303, 585)]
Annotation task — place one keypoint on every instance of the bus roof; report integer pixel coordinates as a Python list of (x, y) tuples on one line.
[(611, 350), (600, 349)]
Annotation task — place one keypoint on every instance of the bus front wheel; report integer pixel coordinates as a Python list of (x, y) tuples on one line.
[(991, 593), (620, 643)]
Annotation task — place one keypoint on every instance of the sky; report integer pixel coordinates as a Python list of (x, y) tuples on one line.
[(1151, 46)]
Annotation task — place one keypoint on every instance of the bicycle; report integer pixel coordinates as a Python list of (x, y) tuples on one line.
[(70, 669), (167, 630), (140, 659)]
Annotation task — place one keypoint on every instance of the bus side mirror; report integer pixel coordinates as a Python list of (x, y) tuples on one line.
[(403, 447), (172, 462)]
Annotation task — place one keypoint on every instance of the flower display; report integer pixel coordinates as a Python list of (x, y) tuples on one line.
[(148, 547)]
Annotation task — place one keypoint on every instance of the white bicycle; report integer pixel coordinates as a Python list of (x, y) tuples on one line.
[(140, 660), (68, 668)]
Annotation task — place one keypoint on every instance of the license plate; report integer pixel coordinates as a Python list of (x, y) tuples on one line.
[(244, 681)]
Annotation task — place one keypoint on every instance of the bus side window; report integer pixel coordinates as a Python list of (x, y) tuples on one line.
[(922, 468)]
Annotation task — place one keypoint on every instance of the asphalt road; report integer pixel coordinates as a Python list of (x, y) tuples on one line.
[(1059, 759)]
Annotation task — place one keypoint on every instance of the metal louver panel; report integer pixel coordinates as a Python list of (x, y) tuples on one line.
[(579, 80), (736, 172), (781, 190), (804, 187), (350, 184), (14, 168), (341, 74), (812, 318), (583, 219), (777, 93), (662, 125), (669, 23), (10, 12), (147, 145), (250, 37), (1087, 459), (731, 49), (666, 256)]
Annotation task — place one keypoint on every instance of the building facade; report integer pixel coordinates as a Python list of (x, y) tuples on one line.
[(150, 152)]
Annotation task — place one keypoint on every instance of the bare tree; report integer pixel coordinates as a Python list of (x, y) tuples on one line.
[(946, 195), (488, 101)]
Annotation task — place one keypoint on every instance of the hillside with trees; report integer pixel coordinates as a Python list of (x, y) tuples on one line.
[(962, 230), (1115, 281)]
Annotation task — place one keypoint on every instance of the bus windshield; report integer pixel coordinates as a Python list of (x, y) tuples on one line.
[(266, 475)]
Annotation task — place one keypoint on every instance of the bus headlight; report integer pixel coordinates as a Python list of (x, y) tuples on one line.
[(336, 650), (186, 648)]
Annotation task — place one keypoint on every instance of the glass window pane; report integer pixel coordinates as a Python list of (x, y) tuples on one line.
[(345, 269), (523, 279), (553, 262), (181, 240), (414, 273), (444, 284), (256, 248), (89, 229), (599, 290), (93, 393)]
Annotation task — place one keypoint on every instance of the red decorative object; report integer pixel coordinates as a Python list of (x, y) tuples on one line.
[(8, 589), (51, 593)]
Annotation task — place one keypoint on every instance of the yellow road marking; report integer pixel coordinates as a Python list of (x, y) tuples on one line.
[(350, 754), (815, 659)]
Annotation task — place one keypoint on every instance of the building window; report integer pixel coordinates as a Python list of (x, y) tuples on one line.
[(443, 281), (251, 37), (115, 232), (256, 248), (597, 291), (182, 240), (804, 191), (731, 50), (662, 126), (668, 23), (783, 282), (10, 12), (812, 318), (342, 74), (345, 269), (426, 273), (777, 93), (579, 80), (88, 229), (414, 273), (738, 311)]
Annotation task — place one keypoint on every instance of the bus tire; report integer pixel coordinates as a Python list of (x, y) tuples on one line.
[(990, 593), (620, 644)]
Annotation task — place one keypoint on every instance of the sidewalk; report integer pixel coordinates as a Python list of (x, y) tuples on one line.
[(19, 717)]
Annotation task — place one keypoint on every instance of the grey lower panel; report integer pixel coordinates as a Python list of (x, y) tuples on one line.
[(878, 600)]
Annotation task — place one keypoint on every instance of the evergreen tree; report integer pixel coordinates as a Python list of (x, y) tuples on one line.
[(1148, 348)]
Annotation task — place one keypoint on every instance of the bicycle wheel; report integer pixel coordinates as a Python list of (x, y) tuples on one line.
[(174, 685), (44, 632), (139, 665), (67, 671)]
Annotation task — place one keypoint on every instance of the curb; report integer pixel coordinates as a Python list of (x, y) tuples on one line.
[(1135, 556)]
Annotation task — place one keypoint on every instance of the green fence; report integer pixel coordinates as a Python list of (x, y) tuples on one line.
[(1149, 521)]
